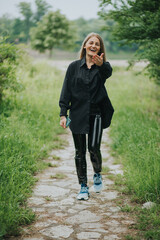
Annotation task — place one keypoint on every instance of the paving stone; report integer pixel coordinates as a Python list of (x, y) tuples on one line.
[(110, 195), (84, 216), (115, 167), (118, 215), (66, 169), (60, 153), (116, 172), (61, 183), (36, 201), (148, 205), (44, 224), (67, 201), (71, 211), (91, 201), (111, 237), (95, 227), (91, 225), (79, 207), (39, 209), (108, 182), (33, 238), (105, 155), (107, 214), (114, 209), (100, 230), (50, 204), (58, 231), (118, 229), (112, 223), (128, 222), (88, 235), (60, 214), (53, 191), (42, 215)]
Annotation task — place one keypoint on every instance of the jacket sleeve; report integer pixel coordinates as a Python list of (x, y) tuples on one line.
[(105, 71), (65, 96)]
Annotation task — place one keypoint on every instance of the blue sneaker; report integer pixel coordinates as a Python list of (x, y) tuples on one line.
[(84, 193), (98, 185)]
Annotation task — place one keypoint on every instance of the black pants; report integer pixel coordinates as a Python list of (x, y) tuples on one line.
[(94, 142)]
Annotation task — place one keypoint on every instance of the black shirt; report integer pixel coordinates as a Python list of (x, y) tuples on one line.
[(81, 88)]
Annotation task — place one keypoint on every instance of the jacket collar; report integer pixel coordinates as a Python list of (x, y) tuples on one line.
[(83, 61)]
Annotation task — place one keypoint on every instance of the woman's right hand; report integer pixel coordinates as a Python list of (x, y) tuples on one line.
[(63, 121)]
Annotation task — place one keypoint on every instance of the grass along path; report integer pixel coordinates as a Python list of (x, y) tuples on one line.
[(135, 143), (29, 127)]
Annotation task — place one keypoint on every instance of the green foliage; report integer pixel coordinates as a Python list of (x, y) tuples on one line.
[(137, 21), (5, 25), (18, 29), (8, 63), (13, 29), (26, 11), (102, 27), (42, 8), (53, 31), (27, 134)]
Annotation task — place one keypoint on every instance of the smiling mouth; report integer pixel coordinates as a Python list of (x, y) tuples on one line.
[(92, 50)]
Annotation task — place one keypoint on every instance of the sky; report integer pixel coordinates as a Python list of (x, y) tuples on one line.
[(73, 9)]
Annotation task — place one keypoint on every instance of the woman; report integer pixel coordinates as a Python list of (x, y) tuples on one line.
[(84, 94)]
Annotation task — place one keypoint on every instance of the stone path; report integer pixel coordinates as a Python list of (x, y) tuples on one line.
[(61, 216)]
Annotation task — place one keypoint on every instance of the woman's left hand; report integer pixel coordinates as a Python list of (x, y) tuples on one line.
[(98, 60)]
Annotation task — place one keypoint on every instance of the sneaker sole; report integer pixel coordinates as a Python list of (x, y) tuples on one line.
[(97, 190), (82, 198)]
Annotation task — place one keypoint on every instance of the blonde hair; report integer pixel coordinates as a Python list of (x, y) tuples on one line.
[(82, 52)]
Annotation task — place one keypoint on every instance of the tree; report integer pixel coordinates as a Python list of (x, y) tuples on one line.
[(18, 33), (42, 9), (102, 27), (8, 63), (14, 29), (5, 25), (137, 21), (53, 31), (26, 11)]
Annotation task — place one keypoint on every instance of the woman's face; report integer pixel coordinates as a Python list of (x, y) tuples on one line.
[(92, 46)]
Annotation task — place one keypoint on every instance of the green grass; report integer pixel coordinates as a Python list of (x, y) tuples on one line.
[(56, 157), (29, 126), (135, 138), (58, 176), (105, 170), (52, 165)]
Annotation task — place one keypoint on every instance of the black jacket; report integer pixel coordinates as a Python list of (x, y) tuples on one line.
[(81, 87)]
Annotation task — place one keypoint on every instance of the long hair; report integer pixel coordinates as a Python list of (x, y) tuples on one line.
[(102, 48)]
